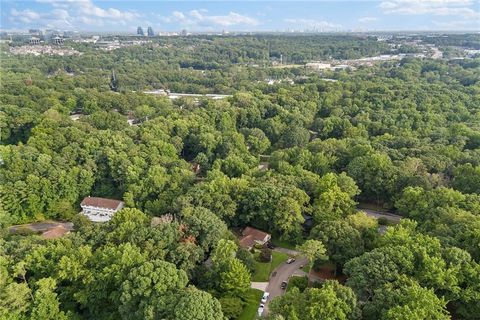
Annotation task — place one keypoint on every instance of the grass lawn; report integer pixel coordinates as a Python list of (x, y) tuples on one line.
[(282, 243), (263, 269), (252, 300)]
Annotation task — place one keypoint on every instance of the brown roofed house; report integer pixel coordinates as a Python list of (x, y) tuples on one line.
[(252, 236), (100, 209), (55, 232)]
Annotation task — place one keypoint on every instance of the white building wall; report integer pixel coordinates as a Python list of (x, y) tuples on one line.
[(96, 214)]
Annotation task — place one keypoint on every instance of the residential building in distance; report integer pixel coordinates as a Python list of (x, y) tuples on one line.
[(140, 31), (150, 32), (57, 40), (318, 65), (34, 41), (100, 209), (251, 237)]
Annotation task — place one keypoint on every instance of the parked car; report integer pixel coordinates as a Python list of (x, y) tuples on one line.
[(290, 260), (260, 310), (270, 245), (265, 297), (274, 273), (284, 285)]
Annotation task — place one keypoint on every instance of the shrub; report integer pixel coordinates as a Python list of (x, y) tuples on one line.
[(265, 255), (24, 231), (383, 221), (298, 282), (247, 258), (232, 307)]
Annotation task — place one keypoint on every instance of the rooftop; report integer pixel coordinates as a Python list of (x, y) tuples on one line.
[(255, 233), (56, 232), (247, 241), (101, 203)]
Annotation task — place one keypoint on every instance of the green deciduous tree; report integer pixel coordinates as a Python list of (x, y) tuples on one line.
[(342, 241), (193, 304), (375, 174), (314, 250), (331, 301), (45, 303), (145, 285), (405, 299)]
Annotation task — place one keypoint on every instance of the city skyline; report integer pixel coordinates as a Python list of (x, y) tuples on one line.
[(201, 16)]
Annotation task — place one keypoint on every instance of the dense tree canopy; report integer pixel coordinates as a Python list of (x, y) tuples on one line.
[(293, 158)]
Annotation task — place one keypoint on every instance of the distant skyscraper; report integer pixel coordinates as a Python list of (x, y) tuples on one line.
[(150, 32), (140, 31), (35, 32)]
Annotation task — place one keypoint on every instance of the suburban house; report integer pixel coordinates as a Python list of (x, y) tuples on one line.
[(252, 236), (100, 209)]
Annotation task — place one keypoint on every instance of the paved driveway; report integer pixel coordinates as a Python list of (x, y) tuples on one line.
[(259, 285), (283, 273), (42, 226)]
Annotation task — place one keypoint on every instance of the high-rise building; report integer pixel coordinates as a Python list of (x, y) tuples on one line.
[(150, 32), (35, 32), (140, 31)]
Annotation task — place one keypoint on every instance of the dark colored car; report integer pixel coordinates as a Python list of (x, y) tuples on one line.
[(270, 245), (284, 285)]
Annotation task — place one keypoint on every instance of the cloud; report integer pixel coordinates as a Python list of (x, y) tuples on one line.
[(201, 18), (461, 8), (311, 23), (457, 24), (73, 14), (367, 19), (25, 16)]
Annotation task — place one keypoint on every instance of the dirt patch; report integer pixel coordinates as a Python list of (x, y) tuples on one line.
[(327, 272)]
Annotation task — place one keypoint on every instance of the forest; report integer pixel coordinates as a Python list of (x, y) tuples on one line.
[(402, 136)]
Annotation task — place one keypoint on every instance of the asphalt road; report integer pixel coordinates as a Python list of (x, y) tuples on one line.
[(42, 226), (284, 272), (379, 214)]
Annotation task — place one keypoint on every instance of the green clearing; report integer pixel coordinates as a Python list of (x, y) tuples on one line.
[(263, 269), (252, 300), (283, 244), (306, 268)]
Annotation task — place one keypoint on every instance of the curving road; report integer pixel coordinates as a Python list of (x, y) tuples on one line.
[(282, 273)]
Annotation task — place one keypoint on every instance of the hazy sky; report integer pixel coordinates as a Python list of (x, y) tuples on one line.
[(89, 15)]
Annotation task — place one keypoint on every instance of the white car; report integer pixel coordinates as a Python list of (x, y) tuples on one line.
[(290, 260), (260, 310), (265, 297)]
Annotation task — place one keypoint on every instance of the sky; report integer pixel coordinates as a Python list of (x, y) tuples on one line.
[(168, 16)]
